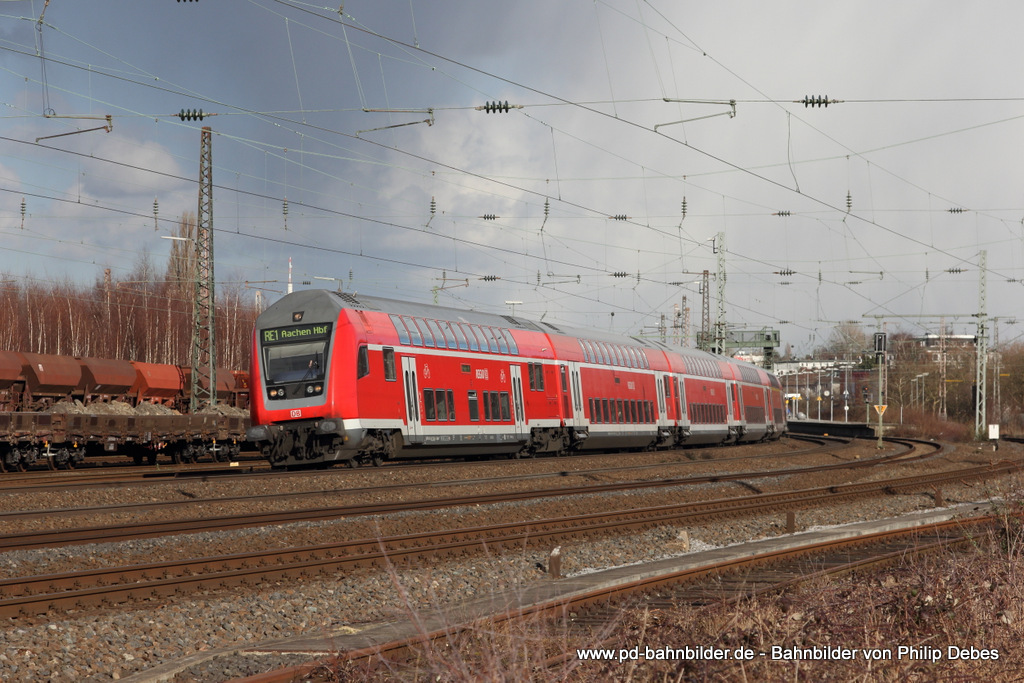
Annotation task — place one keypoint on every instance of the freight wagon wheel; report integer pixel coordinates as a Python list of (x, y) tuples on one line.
[(378, 460), (352, 464)]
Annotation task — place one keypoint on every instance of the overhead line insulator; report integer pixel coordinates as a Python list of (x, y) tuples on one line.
[(490, 278), (818, 101), (498, 107), (619, 217), (956, 209), (489, 217), (191, 115), (783, 213), (620, 273)]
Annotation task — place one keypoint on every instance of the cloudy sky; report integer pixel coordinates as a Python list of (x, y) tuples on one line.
[(367, 119)]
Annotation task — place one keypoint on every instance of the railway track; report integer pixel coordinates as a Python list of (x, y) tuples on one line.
[(77, 590), (587, 616), (98, 475), (55, 537)]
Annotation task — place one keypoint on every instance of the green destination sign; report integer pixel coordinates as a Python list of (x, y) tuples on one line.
[(291, 333)]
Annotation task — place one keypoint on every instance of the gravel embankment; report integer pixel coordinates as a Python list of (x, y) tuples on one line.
[(109, 645)]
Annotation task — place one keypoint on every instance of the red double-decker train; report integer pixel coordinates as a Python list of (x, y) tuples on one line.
[(342, 378)]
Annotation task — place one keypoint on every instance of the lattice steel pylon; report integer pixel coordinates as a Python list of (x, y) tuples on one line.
[(705, 313), (204, 338), (981, 364)]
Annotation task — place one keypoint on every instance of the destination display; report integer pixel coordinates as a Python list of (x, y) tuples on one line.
[(293, 333)]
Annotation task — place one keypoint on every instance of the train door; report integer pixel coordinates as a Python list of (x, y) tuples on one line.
[(517, 400), (659, 382), (577, 394), (412, 400), (677, 389), (737, 402)]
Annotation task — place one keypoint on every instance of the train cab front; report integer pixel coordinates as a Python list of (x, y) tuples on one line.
[(294, 419)]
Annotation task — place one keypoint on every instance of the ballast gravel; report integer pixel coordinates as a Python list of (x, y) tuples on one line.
[(115, 644)]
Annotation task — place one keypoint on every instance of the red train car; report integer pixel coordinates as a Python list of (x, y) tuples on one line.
[(337, 378)]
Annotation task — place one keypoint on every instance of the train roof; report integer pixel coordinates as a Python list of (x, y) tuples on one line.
[(421, 310)]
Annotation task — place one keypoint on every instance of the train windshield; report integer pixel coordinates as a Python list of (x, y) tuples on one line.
[(296, 353)]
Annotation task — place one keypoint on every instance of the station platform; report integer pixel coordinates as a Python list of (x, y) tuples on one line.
[(856, 430)]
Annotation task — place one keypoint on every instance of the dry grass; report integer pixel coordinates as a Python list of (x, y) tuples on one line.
[(923, 424), (964, 600)]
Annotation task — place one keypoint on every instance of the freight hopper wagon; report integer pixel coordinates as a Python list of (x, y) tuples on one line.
[(60, 409), (340, 378)]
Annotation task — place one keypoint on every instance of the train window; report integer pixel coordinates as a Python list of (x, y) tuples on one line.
[(441, 401), (583, 349), (487, 405), (428, 337), (588, 351), (449, 335), (492, 341), (506, 413), (460, 337), (632, 412), (428, 404), (604, 410), (680, 399), (470, 337), (362, 362), (436, 333), (563, 371), (618, 411), (476, 336), (495, 406), (540, 377), (474, 407), (403, 334), (295, 362), (620, 358), (451, 406), (513, 348), (389, 364), (531, 370), (414, 332), (593, 415), (502, 342)]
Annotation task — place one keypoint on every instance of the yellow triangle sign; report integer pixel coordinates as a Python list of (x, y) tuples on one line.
[(880, 410)]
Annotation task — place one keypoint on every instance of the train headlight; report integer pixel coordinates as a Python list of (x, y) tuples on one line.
[(314, 389), (309, 389)]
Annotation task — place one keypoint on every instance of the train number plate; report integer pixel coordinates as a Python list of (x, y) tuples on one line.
[(296, 413)]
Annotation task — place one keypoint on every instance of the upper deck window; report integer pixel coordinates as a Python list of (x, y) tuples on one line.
[(403, 334)]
